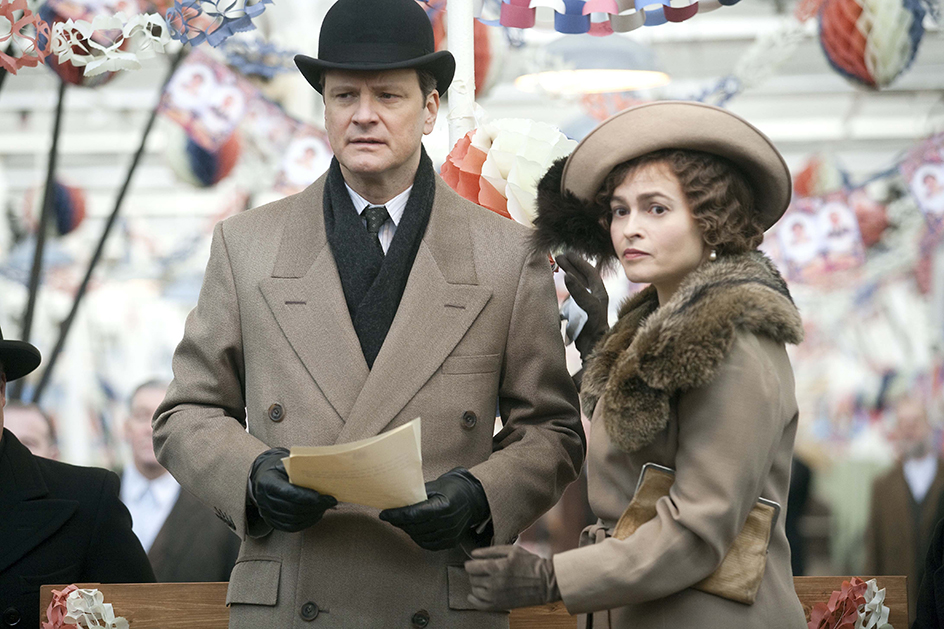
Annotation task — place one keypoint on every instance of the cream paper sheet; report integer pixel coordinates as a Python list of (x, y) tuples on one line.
[(384, 472)]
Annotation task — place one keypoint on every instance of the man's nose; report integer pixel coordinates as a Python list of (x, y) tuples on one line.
[(365, 112)]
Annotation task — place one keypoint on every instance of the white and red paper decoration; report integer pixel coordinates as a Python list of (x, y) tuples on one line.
[(871, 42), (499, 164)]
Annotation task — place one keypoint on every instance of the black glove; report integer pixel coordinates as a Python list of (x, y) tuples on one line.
[(506, 577), (456, 503), (585, 285), (281, 504)]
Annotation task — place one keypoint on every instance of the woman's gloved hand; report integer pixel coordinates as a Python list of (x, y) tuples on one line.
[(506, 577), (586, 287)]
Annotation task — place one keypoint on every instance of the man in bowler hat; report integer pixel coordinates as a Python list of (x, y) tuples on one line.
[(375, 296), (60, 523)]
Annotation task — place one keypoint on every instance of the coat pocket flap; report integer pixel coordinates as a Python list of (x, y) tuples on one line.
[(255, 581), (482, 363), (459, 587)]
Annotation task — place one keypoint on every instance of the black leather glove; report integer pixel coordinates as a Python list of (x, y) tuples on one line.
[(506, 577), (585, 285), (281, 504), (456, 503)]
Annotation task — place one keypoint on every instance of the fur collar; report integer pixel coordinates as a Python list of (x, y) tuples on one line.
[(652, 353)]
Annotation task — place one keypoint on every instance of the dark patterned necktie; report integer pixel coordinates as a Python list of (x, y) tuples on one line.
[(376, 216)]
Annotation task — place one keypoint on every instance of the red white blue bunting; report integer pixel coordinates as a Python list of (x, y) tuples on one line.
[(595, 17)]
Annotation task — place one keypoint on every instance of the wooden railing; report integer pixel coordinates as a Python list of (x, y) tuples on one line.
[(202, 605)]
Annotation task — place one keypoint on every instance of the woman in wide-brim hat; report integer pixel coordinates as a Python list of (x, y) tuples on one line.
[(693, 376)]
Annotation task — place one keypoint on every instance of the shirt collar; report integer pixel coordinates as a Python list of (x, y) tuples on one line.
[(164, 488), (395, 206)]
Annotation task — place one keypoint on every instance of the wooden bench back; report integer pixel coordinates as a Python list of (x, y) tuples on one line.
[(203, 605)]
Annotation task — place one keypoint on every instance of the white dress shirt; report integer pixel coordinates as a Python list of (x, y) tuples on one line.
[(395, 208), (920, 474), (149, 501)]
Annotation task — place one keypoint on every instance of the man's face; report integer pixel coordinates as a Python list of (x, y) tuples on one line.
[(32, 430), (376, 120), (914, 431), (138, 432)]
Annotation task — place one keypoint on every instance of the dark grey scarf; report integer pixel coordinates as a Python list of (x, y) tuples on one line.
[(373, 283)]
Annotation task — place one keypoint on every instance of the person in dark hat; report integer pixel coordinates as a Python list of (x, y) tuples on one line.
[(61, 523), (375, 296)]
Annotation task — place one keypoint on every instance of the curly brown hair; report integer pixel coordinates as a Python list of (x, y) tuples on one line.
[(719, 195)]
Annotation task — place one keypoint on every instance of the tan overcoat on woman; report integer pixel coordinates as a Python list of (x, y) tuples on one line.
[(706, 384), (694, 375)]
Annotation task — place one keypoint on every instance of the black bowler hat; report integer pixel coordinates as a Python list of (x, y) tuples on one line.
[(377, 35), (18, 358)]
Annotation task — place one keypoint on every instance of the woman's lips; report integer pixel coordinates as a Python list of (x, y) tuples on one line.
[(633, 254)]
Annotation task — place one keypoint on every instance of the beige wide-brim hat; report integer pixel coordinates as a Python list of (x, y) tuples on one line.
[(681, 125)]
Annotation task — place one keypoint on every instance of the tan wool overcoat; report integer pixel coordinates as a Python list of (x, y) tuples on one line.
[(270, 358), (702, 385)]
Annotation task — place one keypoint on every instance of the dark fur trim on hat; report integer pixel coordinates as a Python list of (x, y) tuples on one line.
[(652, 353), (564, 222)]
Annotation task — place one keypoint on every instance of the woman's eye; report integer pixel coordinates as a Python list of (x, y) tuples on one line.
[(658, 210), (620, 212)]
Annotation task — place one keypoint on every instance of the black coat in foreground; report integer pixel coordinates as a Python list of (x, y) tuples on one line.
[(930, 613), (60, 524)]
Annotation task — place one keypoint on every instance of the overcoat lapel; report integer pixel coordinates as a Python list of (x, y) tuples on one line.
[(28, 519), (441, 301), (307, 301)]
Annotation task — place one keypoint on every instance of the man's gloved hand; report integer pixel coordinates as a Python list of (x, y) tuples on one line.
[(506, 577), (585, 285), (282, 505), (456, 503)]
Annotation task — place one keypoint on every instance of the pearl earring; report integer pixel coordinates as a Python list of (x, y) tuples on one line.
[(713, 255)]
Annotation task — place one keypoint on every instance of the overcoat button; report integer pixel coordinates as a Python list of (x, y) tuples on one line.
[(420, 619), (309, 611), (276, 412), (469, 420), (11, 617)]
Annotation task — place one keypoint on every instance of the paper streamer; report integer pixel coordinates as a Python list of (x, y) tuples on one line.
[(871, 42), (29, 28), (57, 609), (499, 165), (765, 55), (874, 614), (857, 604), (87, 608), (213, 21), (130, 41), (615, 16), (842, 609), (257, 57)]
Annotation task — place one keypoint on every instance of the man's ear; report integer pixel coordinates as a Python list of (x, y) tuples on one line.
[(432, 110)]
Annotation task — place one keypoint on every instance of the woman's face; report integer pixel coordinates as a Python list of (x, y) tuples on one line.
[(653, 231)]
